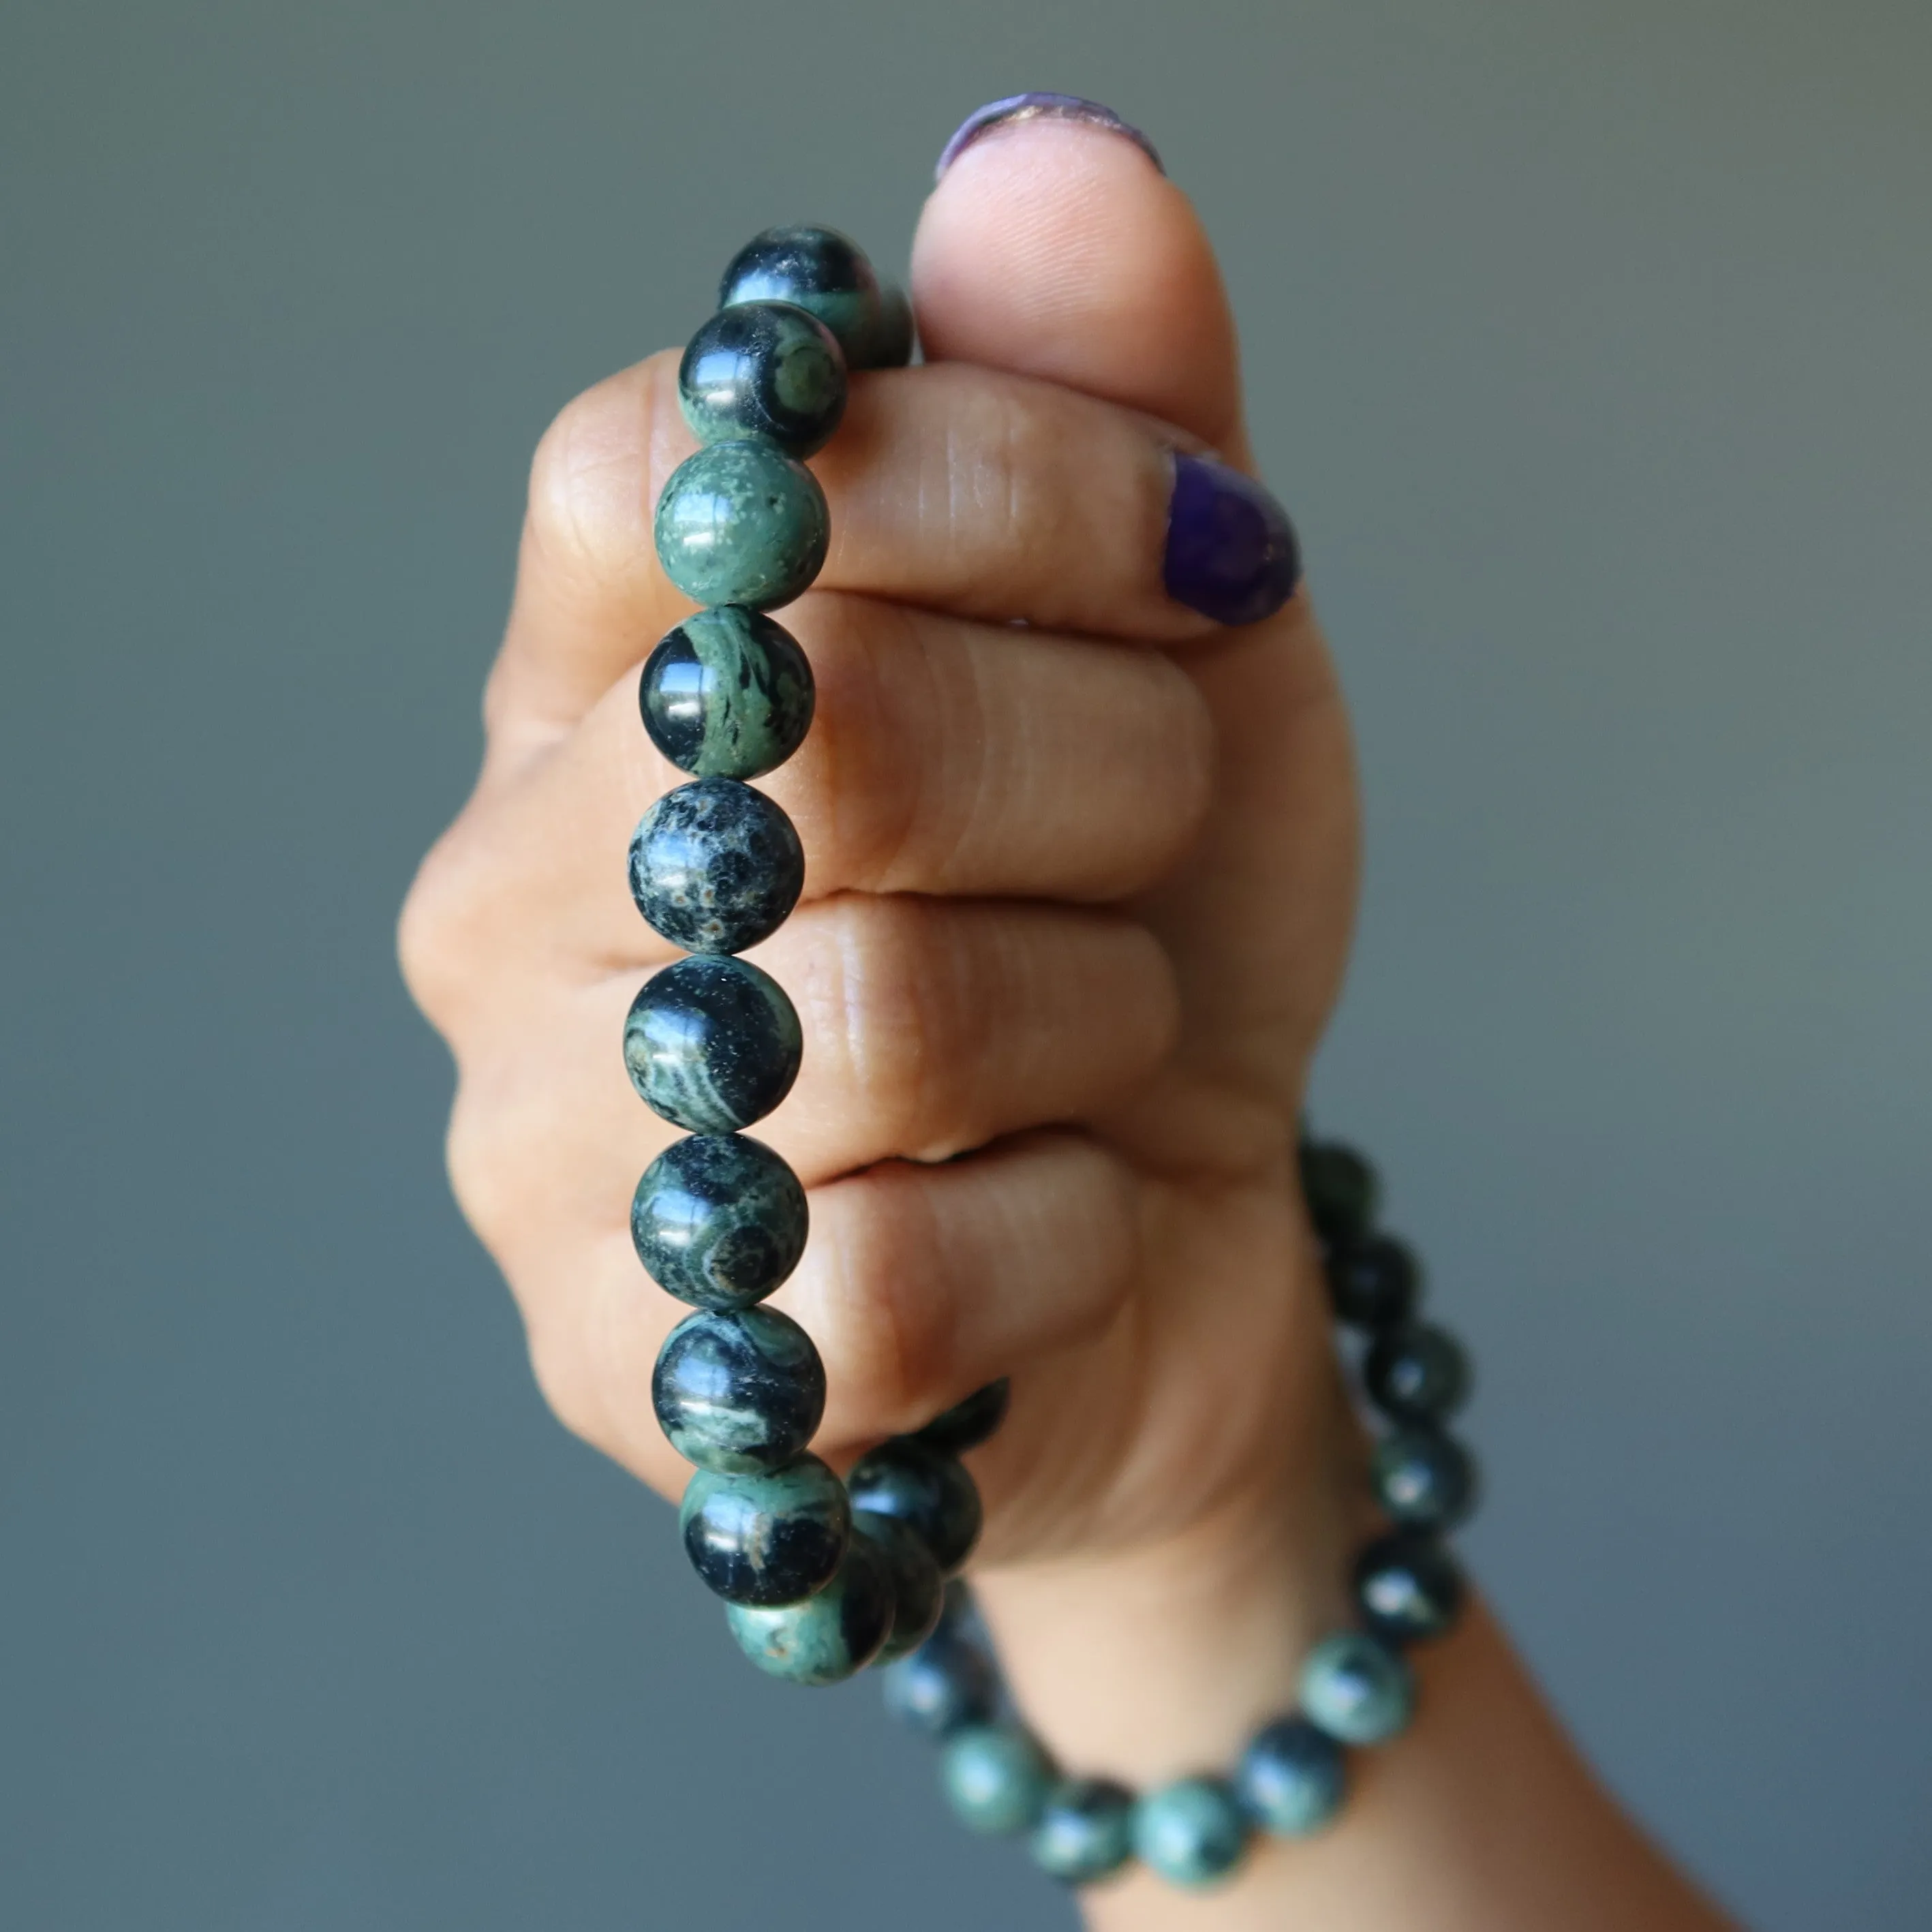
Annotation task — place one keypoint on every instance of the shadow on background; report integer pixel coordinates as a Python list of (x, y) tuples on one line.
[(1589, 345)]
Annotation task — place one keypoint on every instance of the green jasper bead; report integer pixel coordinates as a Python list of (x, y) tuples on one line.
[(1356, 1689), (770, 370), (1191, 1832), (918, 1589), (715, 866), (933, 1494), (767, 1540), (719, 1220), (996, 1778), (830, 1637), (1341, 1189), (1292, 1778), (822, 271), (727, 694), (1086, 1832), (741, 523), (967, 1424), (739, 1392), (712, 1044)]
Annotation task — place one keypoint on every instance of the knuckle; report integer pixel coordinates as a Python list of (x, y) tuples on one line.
[(430, 932), (487, 1151)]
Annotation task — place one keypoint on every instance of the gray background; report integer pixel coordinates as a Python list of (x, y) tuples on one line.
[(1589, 343)]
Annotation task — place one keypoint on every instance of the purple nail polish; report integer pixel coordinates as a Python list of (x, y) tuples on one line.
[(1040, 107), (1231, 553)]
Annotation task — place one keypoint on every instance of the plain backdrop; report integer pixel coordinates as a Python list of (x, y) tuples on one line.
[(1588, 343)]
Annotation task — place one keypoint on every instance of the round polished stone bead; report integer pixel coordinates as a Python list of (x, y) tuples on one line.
[(715, 866), (931, 1492), (1356, 1689), (825, 273), (890, 344), (727, 694), (1417, 1374), (769, 370), (766, 1540), (967, 1424), (1423, 1478), (740, 1392), (830, 1637), (1408, 1588), (1086, 1832), (1290, 1779), (719, 1220), (996, 1778), (1341, 1190), (946, 1684), (918, 1589), (741, 522), (712, 1044), (1191, 1832), (1373, 1283)]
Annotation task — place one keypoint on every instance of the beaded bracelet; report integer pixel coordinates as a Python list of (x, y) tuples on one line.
[(821, 1578)]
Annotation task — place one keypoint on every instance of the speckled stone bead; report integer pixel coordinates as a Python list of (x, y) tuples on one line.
[(1341, 1190), (1423, 1478), (1408, 1588), (766, 1540), (1086, 1832), (1417, 1374), (1291, 1779), (918, 1589), (1191, 1832), (930, 1491), (831, 1636), (741, 522), (1356, 1689), (826, 273), (719, 1220), (712, 1044), (769, 370), (727, 694), (1373, 1283), (715, 866), (996, 1778), (967, 1424), (946, 1684), (740, 1392)]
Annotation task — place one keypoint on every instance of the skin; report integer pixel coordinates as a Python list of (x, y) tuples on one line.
[(1077, 906)]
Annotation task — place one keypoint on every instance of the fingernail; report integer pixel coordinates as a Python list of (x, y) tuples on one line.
[(1017, 107), (1231, 552)]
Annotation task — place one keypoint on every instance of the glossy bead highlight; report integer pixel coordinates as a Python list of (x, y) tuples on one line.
[(1417, 1374), (1373, 1284), (712, 1044), (831, 1636), (1408, 1588), (1424, 1479), (727, 694), (931, 1492), (1356, 1689), (715, 866), (947, 1683), (1291, 1780), (741, 1392), (996, 1779), (1086, 1831), (827, 274), (1191, 1832), (767, 371), (766, 1541), (741, 522)]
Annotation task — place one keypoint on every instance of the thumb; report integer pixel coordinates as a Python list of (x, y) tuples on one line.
[(1054, 246)]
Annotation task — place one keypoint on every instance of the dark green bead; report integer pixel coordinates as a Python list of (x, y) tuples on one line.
[(769, 370), (1191, 1832), (830, 1637), (931, 1492), (1424, 1478), (715, 866), (918, 1589), (825, 273), (740, 1392), (766, 1540), (1374, 1283), (719, 1220), (1341, 1190), (727, 694), (1291, 1778), (1417, 1374), (741, 522), (945, 1685), (1086, 1832), (1357, 1689), (712, 1044), (967, 1424), (1408, 1588), (996, 1778), (891, 343)]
